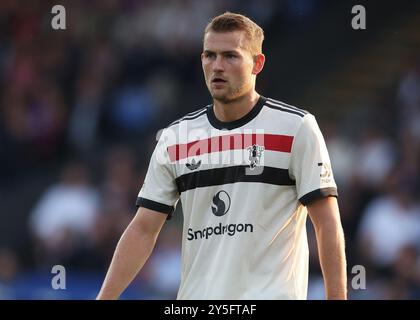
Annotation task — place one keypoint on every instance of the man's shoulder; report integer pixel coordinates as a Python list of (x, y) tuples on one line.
[(190, 116)]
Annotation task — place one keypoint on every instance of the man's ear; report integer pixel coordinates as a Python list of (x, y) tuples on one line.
[(259, 61)]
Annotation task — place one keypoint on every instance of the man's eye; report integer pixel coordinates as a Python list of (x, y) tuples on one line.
[(209, 55), (230, 56)]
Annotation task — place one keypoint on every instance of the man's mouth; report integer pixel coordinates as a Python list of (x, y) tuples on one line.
[(218, 80)]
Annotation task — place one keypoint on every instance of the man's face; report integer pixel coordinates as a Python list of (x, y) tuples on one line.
[(227, 65)]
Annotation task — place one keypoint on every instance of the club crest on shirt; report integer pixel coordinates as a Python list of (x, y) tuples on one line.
[(255, 153)]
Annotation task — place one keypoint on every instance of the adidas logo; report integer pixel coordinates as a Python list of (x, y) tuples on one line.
[(193, 165)]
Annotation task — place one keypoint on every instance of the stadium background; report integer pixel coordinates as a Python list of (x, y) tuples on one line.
[(80, 109)]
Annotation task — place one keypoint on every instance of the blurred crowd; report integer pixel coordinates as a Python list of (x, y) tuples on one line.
[(80, 109), (377, 168)]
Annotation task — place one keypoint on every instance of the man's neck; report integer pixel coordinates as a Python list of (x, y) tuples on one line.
[(231, 111)]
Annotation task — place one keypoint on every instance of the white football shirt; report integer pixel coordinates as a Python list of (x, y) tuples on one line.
[(243, 186)]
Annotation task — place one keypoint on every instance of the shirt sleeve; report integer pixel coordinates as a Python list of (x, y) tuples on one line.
[(310, 164), (159, 191)]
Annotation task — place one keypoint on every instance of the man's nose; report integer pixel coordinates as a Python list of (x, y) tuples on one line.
[(218, 64)]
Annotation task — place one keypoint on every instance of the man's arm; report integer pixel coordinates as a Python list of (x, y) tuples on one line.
[(133, 250), (325, 216)]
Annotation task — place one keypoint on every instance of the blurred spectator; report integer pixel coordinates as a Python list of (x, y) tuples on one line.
[(375, 158), (13, 136), (406, 271), (390, 223), (121, 183), (115, 210), (84, 120), (65, 213), (9, 269), (174, 26), (9, 265), (409, 98), (45, 116)]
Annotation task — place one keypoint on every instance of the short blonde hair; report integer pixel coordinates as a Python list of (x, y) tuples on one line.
[(229, 21)]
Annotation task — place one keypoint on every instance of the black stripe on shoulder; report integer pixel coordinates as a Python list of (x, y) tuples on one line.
[(155, 206), (195, 112), (318, 194), (287, 105), (190, 116), (281, 108)]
